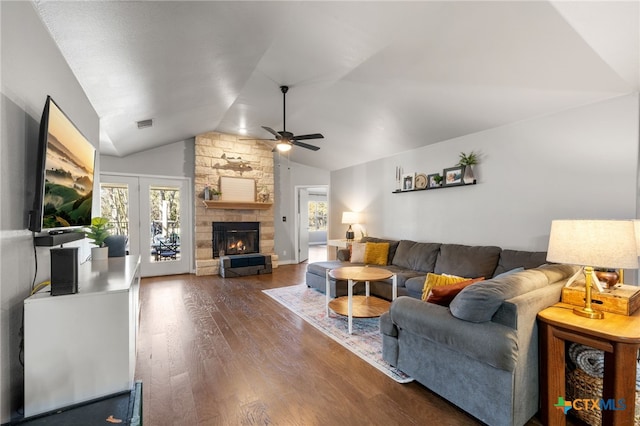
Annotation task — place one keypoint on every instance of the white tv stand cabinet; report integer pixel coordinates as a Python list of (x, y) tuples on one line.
[(82, 346)]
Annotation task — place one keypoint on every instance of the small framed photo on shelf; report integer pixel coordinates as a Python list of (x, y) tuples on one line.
[(453, 176), (433, 180), (407, 182)]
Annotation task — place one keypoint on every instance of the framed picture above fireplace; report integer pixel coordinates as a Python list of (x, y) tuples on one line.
[(237, 189)]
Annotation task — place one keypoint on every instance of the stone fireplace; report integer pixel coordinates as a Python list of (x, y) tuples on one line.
[(229, 238), (220, 155)]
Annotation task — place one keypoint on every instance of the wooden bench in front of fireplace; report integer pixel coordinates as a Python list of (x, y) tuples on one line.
[(242, 265)]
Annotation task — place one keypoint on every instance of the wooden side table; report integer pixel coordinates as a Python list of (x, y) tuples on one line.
[(354, 274), (617, 335)]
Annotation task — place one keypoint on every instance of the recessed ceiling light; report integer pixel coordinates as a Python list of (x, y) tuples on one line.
[(242, 130)]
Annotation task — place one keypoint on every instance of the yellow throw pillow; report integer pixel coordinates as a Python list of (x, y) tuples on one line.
[(376, 253), (435, 280)]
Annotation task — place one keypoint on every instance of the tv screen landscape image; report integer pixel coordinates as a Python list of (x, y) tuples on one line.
[(67, 172)]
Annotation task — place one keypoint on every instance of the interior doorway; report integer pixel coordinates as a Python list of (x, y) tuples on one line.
[(312, 208)]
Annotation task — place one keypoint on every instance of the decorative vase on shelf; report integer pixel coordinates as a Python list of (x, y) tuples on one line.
[(468, 177), (263, 195)]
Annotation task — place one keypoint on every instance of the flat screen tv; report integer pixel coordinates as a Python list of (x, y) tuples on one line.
[(64, 174)]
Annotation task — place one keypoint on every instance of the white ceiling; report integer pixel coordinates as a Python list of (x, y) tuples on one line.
[(375, 78)]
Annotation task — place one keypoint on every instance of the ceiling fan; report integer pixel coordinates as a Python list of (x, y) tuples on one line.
[(285, 140)]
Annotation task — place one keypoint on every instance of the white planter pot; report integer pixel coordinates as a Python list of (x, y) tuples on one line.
[(99, 253), (468, 177)]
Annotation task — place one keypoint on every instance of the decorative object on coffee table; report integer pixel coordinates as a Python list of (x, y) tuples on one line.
[(593, 243)]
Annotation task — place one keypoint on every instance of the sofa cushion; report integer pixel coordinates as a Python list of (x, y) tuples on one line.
[(320, 268), (416, 256), (415, 285), (512, 271), (435, 280), (443, 295), (393, 245), (478, 302), (511, 259), (357, 252), (467, 261), (376, 253)]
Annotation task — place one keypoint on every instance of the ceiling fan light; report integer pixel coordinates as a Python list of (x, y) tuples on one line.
[(283, 146)]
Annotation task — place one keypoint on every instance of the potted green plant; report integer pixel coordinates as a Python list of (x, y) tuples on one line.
[(468, 160), (438, 179), (215, 194), (98, 232), (211, 193)]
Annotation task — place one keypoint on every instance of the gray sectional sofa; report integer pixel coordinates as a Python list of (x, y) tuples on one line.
[(481, 351)]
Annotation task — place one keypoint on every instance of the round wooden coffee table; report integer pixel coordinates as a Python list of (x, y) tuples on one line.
[(359, 306)]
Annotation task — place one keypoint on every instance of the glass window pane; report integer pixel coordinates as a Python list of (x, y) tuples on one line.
[(317, 215), (114, 204), (164, 205)]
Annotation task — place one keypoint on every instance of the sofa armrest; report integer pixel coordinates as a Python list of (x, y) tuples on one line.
[(490, 342), (343, 255)]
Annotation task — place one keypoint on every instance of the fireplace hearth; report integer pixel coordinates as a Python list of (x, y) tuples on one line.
[(231, 238)]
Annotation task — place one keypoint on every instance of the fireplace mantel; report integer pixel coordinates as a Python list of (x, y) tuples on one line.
[(240, 205)]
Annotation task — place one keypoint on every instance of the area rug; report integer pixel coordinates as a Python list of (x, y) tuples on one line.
[(366, 340)]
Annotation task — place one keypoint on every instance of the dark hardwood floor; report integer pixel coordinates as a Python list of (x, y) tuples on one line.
[(214, 351)]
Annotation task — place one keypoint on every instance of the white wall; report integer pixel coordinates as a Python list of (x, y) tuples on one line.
[(32, 68), (580, 163), (288, 175), (176, 159)]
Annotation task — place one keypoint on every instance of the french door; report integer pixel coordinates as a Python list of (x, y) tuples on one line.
[(154, 212)]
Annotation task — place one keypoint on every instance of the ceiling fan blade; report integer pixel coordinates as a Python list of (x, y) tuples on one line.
[(273, 132), (305, 145), (306, 137)]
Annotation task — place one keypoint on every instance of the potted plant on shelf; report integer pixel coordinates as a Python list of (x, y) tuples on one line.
[(98, 232), (468, 160), (438, 179), (211, 194)]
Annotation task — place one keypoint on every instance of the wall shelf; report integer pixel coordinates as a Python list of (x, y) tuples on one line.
[(435, 187), (238, 205)]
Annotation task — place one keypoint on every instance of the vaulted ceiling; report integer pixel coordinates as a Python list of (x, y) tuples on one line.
[(375, 78)]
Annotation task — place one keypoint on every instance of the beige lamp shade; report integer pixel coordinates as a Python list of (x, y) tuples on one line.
[(596, 243), (349, 218)]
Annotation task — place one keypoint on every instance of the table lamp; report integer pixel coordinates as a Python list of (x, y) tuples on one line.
[(350, 218), (636, 223), (593, 243)]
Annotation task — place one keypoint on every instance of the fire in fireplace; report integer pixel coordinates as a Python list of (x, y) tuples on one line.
[(235, 238)]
